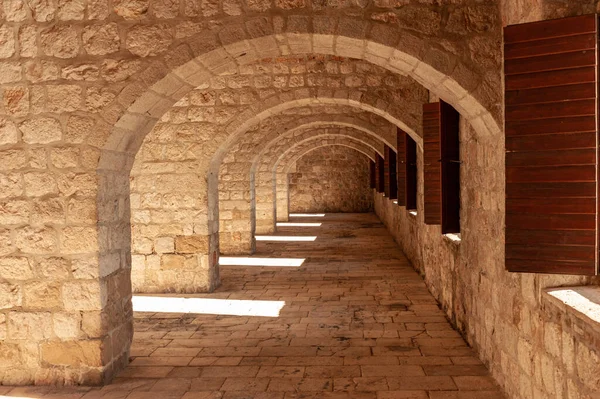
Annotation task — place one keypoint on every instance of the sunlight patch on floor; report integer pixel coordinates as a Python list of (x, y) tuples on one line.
[(298, 224), (286, 238), (247, 261), (228, 307)]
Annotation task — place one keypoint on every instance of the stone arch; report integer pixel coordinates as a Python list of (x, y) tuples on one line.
[(216, 53), (281, 173), (241, 240), (100, 249), (288, 163), (318, 121), (195, 254), (265, 178)]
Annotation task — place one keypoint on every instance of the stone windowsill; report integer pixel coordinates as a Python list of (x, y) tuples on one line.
[(580, 304), (452, 238)]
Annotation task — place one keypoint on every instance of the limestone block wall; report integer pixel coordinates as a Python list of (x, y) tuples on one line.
[(83, 82), (331, 179), (530, 351)]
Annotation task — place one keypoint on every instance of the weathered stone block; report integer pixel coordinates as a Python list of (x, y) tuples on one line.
[(191, 244), (172, 262), (84, 295), (29, 325), (73, 353), (60, 41), (40, 130), (101, 39), (42, 295), (164, 245), (36, 240)]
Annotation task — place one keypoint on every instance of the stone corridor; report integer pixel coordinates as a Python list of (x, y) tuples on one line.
[(358, 322)]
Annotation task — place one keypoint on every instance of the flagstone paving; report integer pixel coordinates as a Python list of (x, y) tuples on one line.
[(358, 322)]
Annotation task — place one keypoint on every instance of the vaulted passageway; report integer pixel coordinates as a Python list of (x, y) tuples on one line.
[(339, 319)]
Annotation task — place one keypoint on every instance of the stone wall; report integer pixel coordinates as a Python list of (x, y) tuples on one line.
[(331, 179), (83, 82), (529, 351)]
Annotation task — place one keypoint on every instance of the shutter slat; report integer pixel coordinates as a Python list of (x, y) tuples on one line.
[(551, 125), (560, 45), (535, 174), (551, 112), (540, 221), (543, 190), (551, 237), (551, 252), (562, 141), (551, 267), (547, 206), (550, 29), (562, 157), (551, 62), (550, 95), (549, 79)]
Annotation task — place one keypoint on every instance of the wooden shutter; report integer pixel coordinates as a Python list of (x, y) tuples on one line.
[(386, 172), (379, 166), (450, 149), (401, 166), (431, 163), (552, 146), (372, 175), (411, 172), (391, 178)]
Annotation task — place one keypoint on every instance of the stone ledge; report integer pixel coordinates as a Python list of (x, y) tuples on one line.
[(578, 308)]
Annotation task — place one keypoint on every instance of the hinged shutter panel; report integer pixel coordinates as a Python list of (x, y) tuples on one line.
[(411, 172), (386, 173), (379, 167), (391, 178), (552, 146), (431, 163), (401, 167), (372, 175), (450, 149)]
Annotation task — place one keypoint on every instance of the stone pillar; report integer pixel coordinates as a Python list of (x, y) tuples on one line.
[(65, 291), (265, 222), (282, 199), (172, 235)]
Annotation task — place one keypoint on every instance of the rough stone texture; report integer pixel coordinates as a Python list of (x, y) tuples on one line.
[(63, 65), (500, 314), (177, 146), (349, 323), (331, 179)]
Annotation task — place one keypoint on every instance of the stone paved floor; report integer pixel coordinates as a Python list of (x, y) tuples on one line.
[(358, 322)]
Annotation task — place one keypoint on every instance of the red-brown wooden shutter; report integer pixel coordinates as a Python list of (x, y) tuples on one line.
[(432, 163), (372, 175), (391, 178), (401, 166), (379, 166), (450, 149), (411, 172), (386, 171), (552, 146)]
